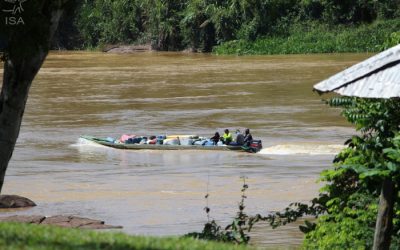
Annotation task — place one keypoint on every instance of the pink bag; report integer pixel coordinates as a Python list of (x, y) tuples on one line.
[(126, 137)]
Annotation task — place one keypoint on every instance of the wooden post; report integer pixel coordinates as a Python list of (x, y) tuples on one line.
[(384, 221)]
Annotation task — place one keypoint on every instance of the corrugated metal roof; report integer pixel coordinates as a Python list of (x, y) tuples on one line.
[(382, 84), (378, 76)]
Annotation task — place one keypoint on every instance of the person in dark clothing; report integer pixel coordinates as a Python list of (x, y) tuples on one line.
[(247, 137), (215, 138), (239, 138)]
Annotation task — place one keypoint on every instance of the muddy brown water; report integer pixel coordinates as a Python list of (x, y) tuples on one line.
[(162, 192)]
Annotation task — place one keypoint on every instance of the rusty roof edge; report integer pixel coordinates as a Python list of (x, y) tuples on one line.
[(359, 70)]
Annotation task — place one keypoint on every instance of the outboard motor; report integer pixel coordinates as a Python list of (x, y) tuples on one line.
[(255, 146)]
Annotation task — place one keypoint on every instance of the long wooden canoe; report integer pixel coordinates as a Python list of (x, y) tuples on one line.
[(105, 142)]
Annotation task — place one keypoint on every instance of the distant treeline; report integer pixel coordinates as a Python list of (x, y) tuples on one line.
[(202, 24)]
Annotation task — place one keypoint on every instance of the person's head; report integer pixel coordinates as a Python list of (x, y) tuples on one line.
[(247, 131), (237, 131), (226, 131), (216, 134)]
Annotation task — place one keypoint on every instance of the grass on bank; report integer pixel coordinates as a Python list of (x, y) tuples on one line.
[(24, 236), (312, 37)]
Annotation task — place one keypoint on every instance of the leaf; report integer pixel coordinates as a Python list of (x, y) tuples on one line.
[(392, 166), (392, 153), (375, 173), (333, 201), (359, 169)]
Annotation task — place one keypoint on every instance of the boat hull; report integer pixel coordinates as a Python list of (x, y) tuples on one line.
[(104, 142)]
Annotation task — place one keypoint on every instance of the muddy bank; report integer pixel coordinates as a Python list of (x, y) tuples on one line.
[(125, 49), (121, 49)]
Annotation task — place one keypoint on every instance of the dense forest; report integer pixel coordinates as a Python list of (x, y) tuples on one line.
[(274, 26)]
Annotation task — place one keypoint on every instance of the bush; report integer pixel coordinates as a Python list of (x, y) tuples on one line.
[(314, 37)]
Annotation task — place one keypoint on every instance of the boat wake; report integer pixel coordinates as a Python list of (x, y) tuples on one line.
[(84, 142), (303, 149)]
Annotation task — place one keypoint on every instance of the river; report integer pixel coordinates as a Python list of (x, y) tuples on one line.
[(162, 192)]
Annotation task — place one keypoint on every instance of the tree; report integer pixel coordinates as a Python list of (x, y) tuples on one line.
[(27, 28), (375, 157), (366, 171)]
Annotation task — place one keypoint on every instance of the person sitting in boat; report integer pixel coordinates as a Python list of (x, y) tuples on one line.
[(247, 137), (215, 138), (227, 137), (239, 138)]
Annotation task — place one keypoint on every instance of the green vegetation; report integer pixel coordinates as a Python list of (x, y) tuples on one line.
[(355, 184), (347, 205), (314, 37), (234, 26), (372, 158), (236, 232), (24, 236)]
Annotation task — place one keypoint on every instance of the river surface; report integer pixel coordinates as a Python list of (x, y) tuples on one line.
[(162, 192)]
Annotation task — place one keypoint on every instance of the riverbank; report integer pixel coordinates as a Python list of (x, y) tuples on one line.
[(315, 37), (23, 236), (303, 38)]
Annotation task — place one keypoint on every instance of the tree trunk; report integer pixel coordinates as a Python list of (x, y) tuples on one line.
[(384, 221), (23, 61)]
